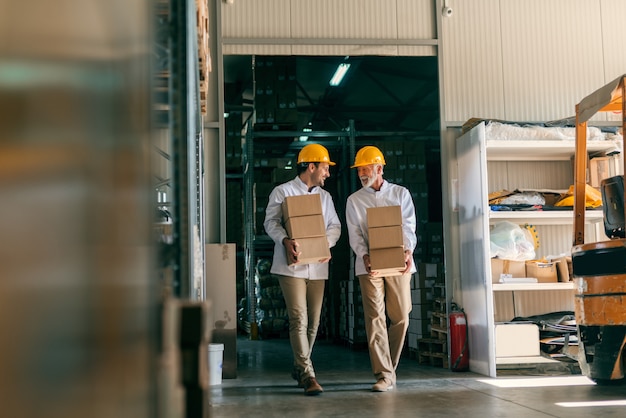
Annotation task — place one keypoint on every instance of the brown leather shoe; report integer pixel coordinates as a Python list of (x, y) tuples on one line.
[(311, 387), (382, 385)]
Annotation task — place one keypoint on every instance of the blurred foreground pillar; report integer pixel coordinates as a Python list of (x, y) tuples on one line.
[(77, 292)]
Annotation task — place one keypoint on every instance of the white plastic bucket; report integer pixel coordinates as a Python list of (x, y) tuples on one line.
[(216, 358)]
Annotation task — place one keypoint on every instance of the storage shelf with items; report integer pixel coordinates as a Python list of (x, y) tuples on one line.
[(489, 161)]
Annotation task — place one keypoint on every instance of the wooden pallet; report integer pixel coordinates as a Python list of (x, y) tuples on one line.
[(434, 359), (432, 351), (439, 305), (439, 320), (438, 332)]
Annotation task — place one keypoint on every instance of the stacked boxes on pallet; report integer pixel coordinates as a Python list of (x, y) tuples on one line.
[(275, 89)]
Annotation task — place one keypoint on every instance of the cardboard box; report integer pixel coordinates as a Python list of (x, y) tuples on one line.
[(385, 237), (601, 168), (312, 250), (563, 268), (544, 272), (517, 340), (501, 267), (305, 226), (388, 261), (308, 204), (384, 216)]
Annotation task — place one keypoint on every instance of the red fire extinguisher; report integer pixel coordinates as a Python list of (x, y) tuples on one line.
[(459, 349)]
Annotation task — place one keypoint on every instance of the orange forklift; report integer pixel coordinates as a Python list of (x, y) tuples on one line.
[(599, 268)]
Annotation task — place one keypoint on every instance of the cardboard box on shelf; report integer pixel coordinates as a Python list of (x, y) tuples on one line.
[(385, 237), (303, 205), (312, 250), (501, 267), (563, 268), (305, 226), (545, 272), (384, 216), (388, 261), (601, 168)]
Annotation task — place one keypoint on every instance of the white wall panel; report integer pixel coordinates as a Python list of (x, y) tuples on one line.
[(256, 19), (511, 175), (247, 49), (472, 61), (613, 15), (555, 240), (366, 19), (416, 19), (503, 306), (552, 56), (417, 51), (534, 303), (508, 305), (301, 26)]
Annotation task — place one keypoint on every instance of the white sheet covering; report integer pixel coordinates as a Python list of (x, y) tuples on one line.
[(514, 132)]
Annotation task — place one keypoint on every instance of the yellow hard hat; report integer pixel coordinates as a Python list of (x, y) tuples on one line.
[(368, 155), (314, 153)]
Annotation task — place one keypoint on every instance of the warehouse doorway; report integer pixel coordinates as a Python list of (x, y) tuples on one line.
[(389, 101)]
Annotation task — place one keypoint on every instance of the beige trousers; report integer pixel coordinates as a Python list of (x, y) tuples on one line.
[(386, 297), (304, 299)]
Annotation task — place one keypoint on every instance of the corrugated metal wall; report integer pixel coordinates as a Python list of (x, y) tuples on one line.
[(544, 76), (502, 59), (528, 61), (472, 61), (613, 13), (329, 27)]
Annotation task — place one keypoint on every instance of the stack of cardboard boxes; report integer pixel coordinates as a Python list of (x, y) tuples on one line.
[(550, 271), (275, 98), (304, 222), (386, 245)]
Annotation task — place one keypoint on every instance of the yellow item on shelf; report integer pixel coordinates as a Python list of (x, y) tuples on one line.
[(531, 234), (593, 198)]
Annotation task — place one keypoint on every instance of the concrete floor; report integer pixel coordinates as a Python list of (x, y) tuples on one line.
[(264, 388)]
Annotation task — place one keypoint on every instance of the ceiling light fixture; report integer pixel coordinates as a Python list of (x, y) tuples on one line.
[(340, 73)]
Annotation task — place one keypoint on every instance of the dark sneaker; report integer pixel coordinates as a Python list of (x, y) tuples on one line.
[(295, 375), (311, 387), (383, 385)]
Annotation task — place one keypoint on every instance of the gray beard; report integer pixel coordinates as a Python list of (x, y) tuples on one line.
[(370, 181)]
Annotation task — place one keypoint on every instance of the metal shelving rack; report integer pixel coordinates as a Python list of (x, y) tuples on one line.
[(348, 139), (177, 109)]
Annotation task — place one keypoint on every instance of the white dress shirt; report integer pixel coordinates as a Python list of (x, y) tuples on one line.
[(356, 218), (275, 229)]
